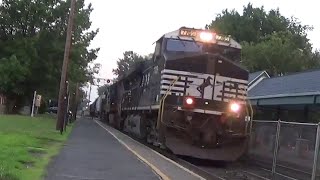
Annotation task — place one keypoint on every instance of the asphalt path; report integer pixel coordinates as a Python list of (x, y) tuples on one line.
[(92, 154)]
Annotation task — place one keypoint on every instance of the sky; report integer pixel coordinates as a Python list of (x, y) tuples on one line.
[(136, 25)]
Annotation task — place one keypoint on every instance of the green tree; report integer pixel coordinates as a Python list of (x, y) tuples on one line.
[(255, 23), (35, 32), (12, 73), (270, 41), (128, 61), (277, 54), (12, 76)]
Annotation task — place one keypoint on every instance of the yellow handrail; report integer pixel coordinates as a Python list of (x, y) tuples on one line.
[(161, 108), (250, 114)]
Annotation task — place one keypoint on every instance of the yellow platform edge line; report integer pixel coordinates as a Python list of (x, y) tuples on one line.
[(157, 171)]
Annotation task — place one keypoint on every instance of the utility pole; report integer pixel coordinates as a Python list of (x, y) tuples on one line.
[(89, 94), (66, 103), (61, 115), (76, 102)]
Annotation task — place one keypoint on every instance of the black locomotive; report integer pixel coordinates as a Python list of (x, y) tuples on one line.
[(189, 98)]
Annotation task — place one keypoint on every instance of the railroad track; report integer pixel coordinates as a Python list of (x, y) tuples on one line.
[(207, 169), (232, 171), (257, 170), (283, 171)]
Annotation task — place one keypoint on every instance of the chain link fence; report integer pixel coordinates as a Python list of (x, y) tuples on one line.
[(286, 146), (262, 141)]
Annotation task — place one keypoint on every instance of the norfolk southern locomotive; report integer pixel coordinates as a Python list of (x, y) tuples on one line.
[(190, 98)]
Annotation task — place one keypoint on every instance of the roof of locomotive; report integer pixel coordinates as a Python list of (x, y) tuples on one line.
[(138, 67), (176, 35)]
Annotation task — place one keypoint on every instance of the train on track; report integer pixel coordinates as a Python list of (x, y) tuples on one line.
[(189, 98)]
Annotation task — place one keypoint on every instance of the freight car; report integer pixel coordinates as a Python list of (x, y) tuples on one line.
[(190, 98)]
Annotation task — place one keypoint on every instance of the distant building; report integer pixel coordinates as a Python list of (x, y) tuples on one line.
[(293, 97), (2, 103), (256, 77)]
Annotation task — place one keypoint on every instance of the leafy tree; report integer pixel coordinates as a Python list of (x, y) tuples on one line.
[(277, 54), (12, 73), (270, 41), (12, 76), (35, 32), (128, 61), (255, 23)]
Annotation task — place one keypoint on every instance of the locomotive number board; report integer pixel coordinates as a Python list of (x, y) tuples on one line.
[(195, 34), (223, 38), (189, 32)]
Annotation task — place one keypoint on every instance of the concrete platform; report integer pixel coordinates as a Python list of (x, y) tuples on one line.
[(96, 151)]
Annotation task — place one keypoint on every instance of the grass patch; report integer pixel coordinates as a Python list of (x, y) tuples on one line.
[(27, 145)]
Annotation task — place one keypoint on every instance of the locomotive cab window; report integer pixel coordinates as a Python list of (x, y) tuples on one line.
[(157, 51), (176, 45)]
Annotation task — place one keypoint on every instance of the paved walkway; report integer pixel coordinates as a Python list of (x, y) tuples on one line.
[(93, 154)]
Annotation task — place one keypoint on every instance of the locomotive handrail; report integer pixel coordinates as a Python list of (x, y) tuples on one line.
[(250, 115), (161, 108)]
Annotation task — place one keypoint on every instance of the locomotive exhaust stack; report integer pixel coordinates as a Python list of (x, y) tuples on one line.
[(190, 98)]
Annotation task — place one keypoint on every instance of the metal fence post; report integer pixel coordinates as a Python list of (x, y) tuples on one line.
[(249, 142), (275, 151), (316, 152)]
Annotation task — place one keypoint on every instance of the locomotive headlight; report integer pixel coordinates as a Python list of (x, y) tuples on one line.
[(234, 107), (206, 36)]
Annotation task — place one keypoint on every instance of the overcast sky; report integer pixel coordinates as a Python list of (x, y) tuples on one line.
[(135, 25)]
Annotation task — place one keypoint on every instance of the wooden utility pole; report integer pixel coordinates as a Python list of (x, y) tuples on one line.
[(89, 94), (76, 102), (62, 93)]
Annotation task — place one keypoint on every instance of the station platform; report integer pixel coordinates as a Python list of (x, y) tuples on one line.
[(95, 151)]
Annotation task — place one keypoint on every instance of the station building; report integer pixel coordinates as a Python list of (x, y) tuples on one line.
[(293, 97)]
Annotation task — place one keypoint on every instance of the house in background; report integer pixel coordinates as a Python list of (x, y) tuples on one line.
[(2, 103), (256, 77), (293, 97)]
